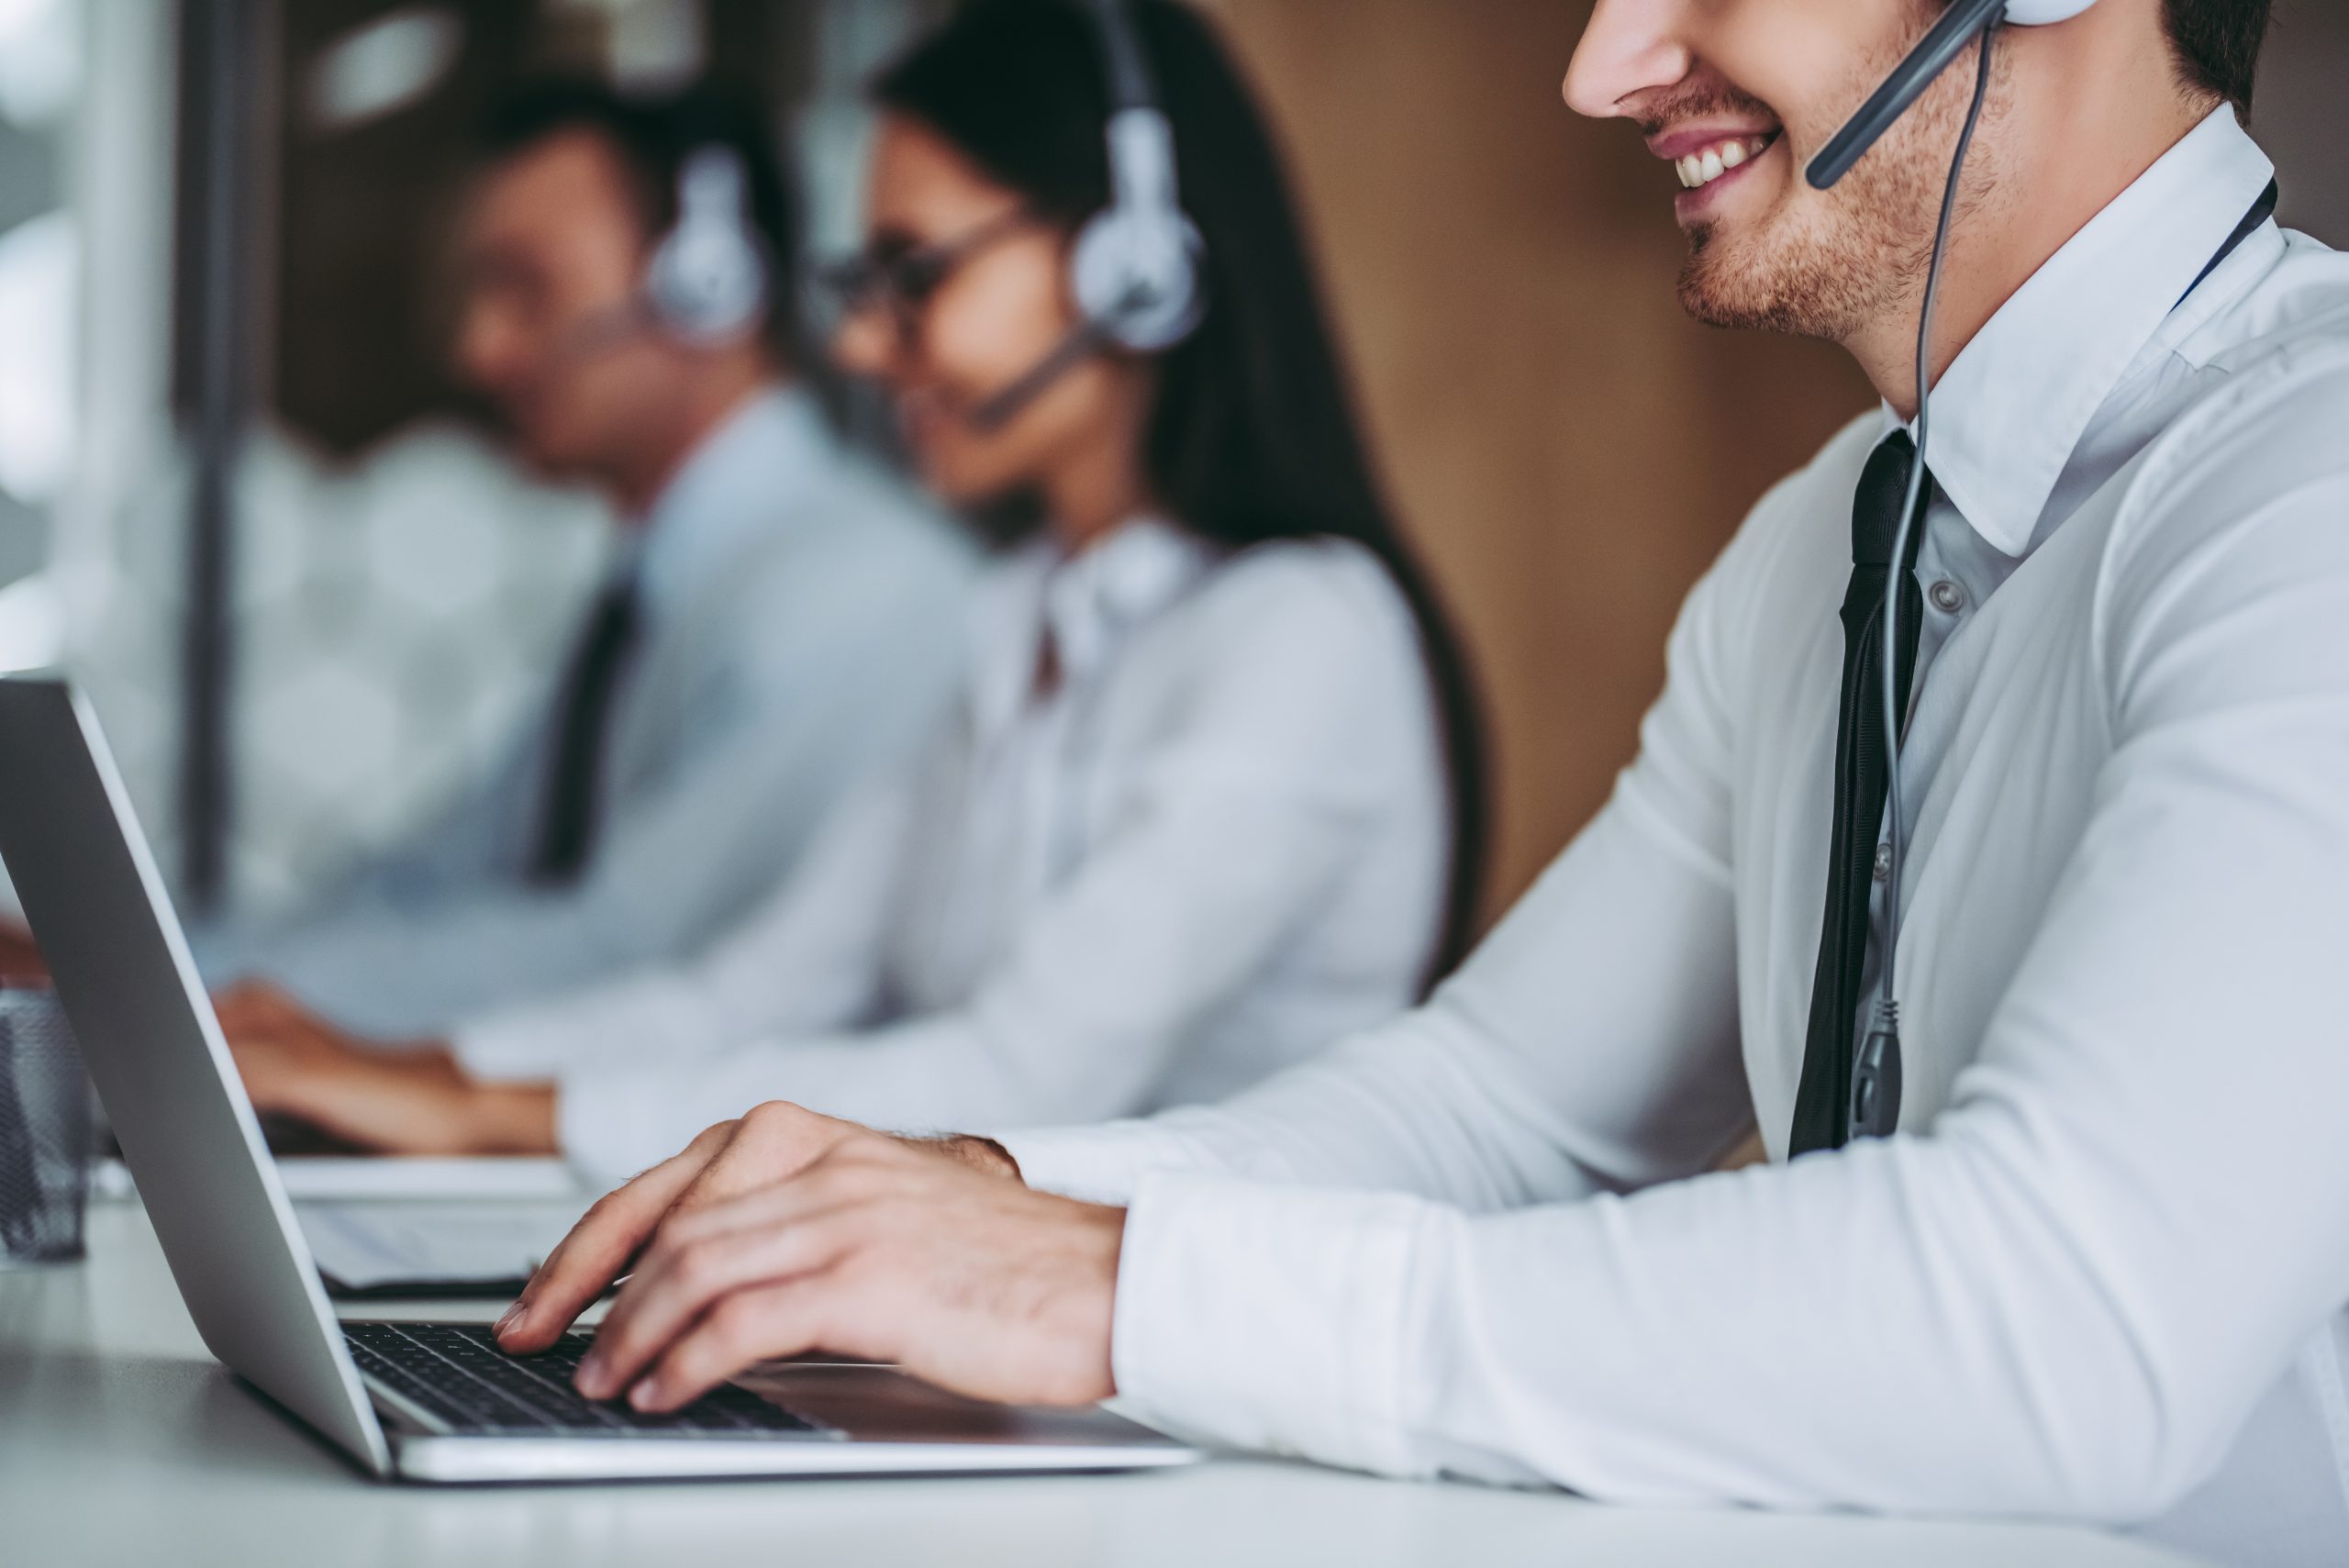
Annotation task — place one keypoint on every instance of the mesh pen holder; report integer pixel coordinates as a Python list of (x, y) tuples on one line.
[(45, 1132)]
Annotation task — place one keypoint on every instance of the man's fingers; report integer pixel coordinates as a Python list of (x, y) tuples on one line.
[(595, 1253), (747, 1328), (678, 1282), (264, 1068), (252, 1005), (776, 1142), (599, 1247)]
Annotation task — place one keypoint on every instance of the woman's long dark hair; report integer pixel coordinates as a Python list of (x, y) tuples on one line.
[(1253, 435)]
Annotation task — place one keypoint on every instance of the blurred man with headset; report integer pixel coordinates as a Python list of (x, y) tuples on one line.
[(2056, 1221), (782, 620)]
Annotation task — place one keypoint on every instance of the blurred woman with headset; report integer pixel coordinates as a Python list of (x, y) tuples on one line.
[(1213, 796)]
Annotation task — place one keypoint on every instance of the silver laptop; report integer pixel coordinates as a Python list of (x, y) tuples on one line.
[(422, 1401)]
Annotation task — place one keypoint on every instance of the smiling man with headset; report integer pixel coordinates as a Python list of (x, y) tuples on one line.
[(2058, 1217), (783, 620)]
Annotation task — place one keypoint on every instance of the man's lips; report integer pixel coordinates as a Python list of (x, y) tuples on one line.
[(1676, 144), (927, 415)]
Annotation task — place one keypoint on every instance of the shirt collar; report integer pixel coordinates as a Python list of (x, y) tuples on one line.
[(735, 488), (1090, 604), (2008, 413)]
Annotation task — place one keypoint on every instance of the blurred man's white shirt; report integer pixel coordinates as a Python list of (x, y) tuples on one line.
[(801, 617)]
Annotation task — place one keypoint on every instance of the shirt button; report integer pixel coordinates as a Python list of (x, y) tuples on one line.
[(1949, 597), (1883, 862)]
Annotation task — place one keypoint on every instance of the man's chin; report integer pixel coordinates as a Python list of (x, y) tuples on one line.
[(1729, 285), (555, 462), (1717, 295)]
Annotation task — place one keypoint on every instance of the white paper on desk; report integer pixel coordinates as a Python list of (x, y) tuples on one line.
[(369, 1244), (503, 1180)]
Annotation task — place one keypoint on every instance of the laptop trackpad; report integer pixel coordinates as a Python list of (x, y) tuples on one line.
[(886, 1404)]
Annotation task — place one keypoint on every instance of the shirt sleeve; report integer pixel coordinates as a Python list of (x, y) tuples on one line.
[(1275, 759), (809, 959), (2064, 1298), (847, 665), (1468, 1099)]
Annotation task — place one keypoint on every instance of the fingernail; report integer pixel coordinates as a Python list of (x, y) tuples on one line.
[(513, 1316), (640, 1397), (591, 1376)]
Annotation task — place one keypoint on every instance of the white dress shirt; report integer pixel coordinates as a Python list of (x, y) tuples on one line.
[(1219, 841), (798, 632), (2101, 1271)]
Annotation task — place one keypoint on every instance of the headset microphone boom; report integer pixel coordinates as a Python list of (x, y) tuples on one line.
[(1960, 25)]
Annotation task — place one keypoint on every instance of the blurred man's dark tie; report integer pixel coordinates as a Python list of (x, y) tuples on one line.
[(582, 723)]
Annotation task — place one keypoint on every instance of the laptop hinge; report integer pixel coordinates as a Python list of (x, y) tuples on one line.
[(405, 1411)]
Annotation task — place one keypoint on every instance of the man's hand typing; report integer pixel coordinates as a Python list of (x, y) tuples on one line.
[(788, 1231)]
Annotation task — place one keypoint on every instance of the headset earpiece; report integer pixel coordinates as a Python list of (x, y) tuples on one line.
[(1137, 272), (2041, 13), (707, 280), (1135, 269)]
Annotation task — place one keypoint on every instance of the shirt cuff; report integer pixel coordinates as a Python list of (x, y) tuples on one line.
[(1093, 1164), (1272, 1318), (504, 1047), (607, 1122)]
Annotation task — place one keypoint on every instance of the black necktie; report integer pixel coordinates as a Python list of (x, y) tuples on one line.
[(1823, 1101), (574, 766)]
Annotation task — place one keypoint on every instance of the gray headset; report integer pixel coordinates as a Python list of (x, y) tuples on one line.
[(705, 284), (707, 280), (1135, 269)]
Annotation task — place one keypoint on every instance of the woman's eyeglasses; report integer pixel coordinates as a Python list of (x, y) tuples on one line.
[(903, 279)]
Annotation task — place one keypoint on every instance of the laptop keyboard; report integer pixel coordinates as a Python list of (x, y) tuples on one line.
[(456, 1372)]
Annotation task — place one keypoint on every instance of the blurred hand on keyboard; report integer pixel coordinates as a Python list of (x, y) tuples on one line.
[(408, 1099), (20, 960)]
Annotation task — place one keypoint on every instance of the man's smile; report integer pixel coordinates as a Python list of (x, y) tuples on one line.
[(1710, 156), (1701, 168)]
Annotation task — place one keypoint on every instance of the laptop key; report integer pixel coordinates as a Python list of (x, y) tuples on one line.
[(407, 1386), (456, 1372)]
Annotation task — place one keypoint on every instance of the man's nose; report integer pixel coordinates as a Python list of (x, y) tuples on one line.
[(486, 353), (865, 342), (1630, 47)]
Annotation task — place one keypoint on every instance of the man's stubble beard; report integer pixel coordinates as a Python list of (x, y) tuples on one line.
[(1842, 262)]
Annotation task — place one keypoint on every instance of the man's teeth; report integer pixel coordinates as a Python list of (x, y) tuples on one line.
[(1708, 164)]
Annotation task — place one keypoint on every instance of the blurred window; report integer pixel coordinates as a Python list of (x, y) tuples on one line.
[(39, 89)]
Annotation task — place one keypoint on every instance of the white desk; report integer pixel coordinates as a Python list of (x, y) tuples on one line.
[(121, 1442)]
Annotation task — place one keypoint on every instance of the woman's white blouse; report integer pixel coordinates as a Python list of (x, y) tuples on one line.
[(1217, 841)]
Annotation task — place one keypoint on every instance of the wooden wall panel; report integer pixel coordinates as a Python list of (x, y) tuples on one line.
[(1568, 451)]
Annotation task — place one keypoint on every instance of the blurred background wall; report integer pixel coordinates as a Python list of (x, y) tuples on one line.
[(1566, 448)]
